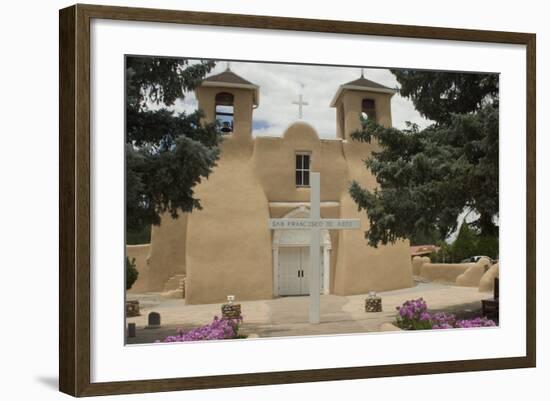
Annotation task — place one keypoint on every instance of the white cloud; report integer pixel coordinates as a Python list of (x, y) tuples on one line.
[(280, 84)]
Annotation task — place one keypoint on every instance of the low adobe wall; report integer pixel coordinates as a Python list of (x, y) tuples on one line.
[(444, 272), (487, 282), (417, 263), (141, 254), (472, 276), (461, 274)]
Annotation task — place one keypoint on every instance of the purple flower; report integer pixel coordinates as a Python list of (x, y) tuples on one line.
[(425, 316), (414, 315), (219, 329)]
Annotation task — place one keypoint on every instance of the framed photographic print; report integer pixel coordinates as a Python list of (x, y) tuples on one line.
[(250, 200)]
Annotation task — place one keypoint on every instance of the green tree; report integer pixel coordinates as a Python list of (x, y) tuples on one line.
[(487, 245), (443, 255), (465, 244), (427, 178), (131, 272), (167, 153), (468, 243), (138, 236), (424, 238)]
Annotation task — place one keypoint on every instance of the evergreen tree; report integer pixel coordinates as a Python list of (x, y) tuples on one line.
[(131, 272), (427, 178), (167, 153), (465, 244)]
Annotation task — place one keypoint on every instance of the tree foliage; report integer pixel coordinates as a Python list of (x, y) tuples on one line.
[(465, 245), (468, 243), (138, 236), (167, 153), (427, 178), (438, 95), (131, 272)]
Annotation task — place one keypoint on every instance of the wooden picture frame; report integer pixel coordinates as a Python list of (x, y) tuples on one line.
[(74, 203)]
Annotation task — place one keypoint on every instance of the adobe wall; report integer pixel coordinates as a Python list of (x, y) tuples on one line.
[(461, 274), (487, 282), (362, 268), (443, 272), (417, 262), (472, 276), (228, 242), (167, 250)]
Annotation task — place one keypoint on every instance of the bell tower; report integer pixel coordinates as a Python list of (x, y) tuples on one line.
[(361, 97), (229, 99)]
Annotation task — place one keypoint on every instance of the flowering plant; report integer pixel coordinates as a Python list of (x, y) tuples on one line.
[(477, 322), (219, 329), (414, 315), (443, 320)]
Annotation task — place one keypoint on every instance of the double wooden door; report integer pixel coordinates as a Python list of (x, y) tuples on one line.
[(294, 271)]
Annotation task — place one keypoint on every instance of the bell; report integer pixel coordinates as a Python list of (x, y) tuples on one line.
[(226, 127)]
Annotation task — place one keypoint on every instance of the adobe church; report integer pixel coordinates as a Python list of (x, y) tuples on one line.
[(228, 249)]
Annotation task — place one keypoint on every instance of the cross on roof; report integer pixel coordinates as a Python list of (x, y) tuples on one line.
[(300, 102)]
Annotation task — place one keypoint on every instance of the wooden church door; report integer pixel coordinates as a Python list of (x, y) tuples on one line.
[(294, 271), (289, 271)]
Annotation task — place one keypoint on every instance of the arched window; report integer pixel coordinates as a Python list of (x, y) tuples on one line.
[(224, 111), (368, 108)]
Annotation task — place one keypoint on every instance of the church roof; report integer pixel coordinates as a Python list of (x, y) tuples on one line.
[(367, 83), (362, 84), (228, 79)]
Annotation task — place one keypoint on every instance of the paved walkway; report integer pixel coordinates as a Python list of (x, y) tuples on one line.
[(288, 316)]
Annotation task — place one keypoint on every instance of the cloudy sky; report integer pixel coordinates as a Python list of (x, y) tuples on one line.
[(281, 84)]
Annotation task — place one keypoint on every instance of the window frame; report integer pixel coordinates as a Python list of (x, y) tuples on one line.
[(302, 169)]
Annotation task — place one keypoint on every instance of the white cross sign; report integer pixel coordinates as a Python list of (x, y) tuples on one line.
[(300, 104), (315, 224)]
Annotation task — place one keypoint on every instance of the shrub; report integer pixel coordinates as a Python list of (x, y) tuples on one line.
[(219, 329), (131, 272), (414, 315), (468, 243)]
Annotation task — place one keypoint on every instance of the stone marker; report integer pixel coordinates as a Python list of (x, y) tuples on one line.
[(132, 308), (153, 320), (231, 310), (131, 329), (373, 303)]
